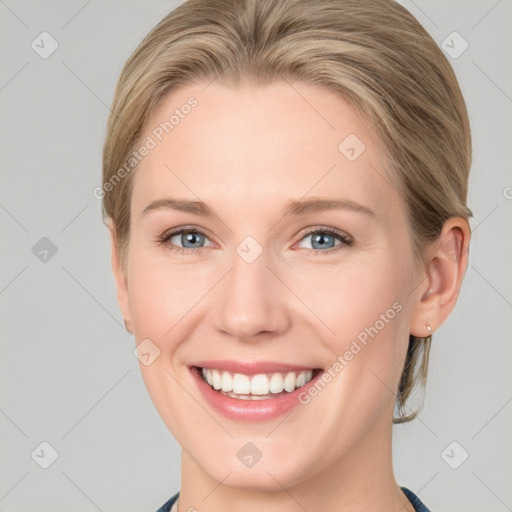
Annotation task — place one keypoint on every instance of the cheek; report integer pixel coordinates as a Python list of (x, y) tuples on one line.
[(354, 296), (365, 311), (149, 305), (161, 301), (161, 294)]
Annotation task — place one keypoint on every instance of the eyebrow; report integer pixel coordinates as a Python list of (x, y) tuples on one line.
[(301, 207)]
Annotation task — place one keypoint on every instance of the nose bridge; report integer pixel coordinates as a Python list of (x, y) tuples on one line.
[(251, 299)]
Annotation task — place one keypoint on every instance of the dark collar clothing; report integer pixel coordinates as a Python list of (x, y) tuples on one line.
[(416, 502)]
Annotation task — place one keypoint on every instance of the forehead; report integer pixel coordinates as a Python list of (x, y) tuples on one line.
[(257, 146)]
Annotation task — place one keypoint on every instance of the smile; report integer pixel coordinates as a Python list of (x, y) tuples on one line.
[(262, 386)]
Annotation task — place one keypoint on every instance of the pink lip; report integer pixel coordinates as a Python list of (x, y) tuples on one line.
[(250, 368), (250, 410)]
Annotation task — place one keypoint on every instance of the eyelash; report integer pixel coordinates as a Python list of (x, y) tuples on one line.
[(347, 241)]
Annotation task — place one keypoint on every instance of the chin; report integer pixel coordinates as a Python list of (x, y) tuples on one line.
[(265, 476)]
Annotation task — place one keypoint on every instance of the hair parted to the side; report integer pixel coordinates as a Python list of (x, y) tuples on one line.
[(373, 54)]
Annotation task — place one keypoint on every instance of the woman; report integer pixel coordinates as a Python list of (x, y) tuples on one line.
[(285, 185)]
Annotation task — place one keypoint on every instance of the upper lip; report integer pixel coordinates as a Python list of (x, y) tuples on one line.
[(252, 367)]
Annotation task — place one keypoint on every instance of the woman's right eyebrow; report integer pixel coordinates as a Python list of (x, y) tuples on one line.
[(301, 207)]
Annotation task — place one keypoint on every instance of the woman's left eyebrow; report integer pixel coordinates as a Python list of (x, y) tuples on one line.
[(301, 207), (313, 205)]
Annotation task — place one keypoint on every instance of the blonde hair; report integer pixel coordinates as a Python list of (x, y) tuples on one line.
[(373, 54)]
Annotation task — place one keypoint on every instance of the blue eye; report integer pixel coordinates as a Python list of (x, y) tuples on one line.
[(192, 240), (187, 236), (323, 238)]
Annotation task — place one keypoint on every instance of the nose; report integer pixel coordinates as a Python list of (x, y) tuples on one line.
[(251, 301)]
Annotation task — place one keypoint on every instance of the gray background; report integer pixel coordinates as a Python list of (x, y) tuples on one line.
[(68, 374)]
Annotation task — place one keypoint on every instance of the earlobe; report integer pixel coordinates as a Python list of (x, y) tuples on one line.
[(445, 267), (128, 326), (120, 280)]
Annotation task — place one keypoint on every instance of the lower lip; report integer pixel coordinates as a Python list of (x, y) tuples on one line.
[(250, 410)]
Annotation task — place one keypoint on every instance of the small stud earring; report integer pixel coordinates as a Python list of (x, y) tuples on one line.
[(429, 328)]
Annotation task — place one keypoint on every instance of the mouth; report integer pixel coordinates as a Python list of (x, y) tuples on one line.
[(255, 386)]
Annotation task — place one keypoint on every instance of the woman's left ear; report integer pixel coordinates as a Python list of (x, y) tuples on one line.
[(446, 260)]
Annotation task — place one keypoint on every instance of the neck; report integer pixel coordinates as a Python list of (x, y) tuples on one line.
[(360, 479)]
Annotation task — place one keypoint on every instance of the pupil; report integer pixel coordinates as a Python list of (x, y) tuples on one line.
[(191, 237), (320, 238)]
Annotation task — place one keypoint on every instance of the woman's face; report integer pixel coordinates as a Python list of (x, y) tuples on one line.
[(265, 280)]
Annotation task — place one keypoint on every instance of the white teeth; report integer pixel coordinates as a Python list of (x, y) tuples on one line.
[(258, 385), (241, 384), (227, 382), (276, 383), (216, 381), (289, 382)]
